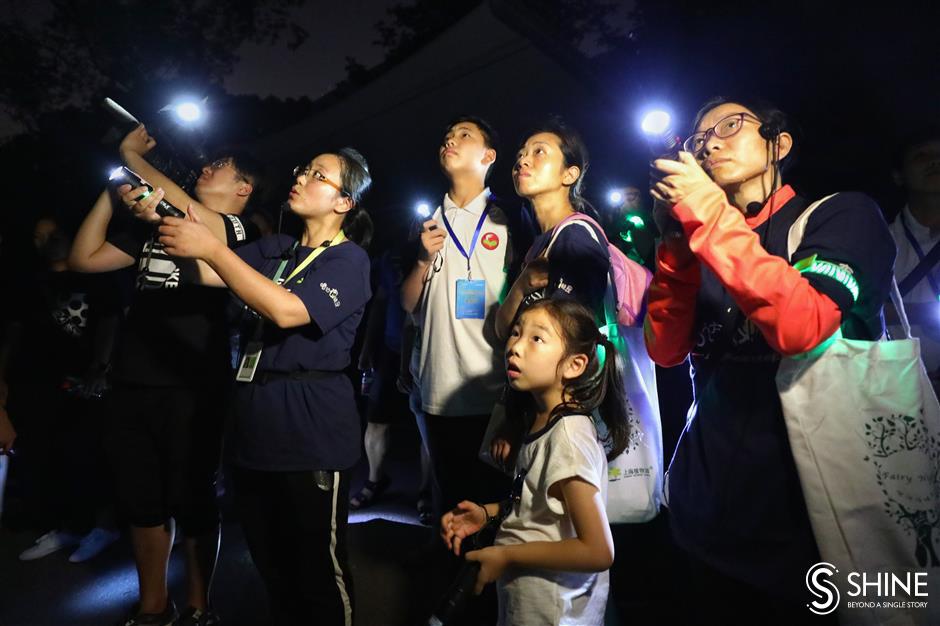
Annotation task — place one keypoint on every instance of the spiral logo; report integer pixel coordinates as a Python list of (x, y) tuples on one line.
[(823, 589)]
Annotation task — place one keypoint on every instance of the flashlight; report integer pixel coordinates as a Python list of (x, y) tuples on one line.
[(189, 112), (124, 175), (615, 197), (657, 126)]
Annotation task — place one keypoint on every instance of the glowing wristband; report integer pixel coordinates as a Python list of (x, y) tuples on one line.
[(838, 273)]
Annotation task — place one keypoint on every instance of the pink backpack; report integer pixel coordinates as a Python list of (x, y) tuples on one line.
[(630, 280)]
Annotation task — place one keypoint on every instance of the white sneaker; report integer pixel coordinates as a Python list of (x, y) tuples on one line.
[(47, 544), (93, 544)]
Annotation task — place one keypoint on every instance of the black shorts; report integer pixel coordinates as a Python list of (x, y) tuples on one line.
[(164, 445)]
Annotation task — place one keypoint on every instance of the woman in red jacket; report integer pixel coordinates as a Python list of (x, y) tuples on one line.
[(727, 296)]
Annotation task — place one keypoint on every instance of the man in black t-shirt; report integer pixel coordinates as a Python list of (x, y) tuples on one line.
[(170, 373)]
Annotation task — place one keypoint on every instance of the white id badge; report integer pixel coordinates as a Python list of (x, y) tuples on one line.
[(250, 360)]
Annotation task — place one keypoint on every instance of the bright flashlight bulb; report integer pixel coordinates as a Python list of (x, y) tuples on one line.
[(656, 123), (423, 209), (115, 173), (615, 197), (188, 111)]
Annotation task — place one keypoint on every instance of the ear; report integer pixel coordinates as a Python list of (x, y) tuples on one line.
[(244, 190), (489, 157), (784, 145), (574, 366), (571, 175), (343, 204)]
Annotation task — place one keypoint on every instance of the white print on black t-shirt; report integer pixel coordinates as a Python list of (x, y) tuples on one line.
[(746, 333), (708, 333), (71, 313), (156, 269), (564, 286), (238, 227), (332, 293)]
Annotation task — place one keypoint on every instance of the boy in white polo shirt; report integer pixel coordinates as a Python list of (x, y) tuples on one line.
[(454, 291)]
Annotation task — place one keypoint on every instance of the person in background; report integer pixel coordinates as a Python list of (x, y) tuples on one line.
[(60, 349), (916, 231)]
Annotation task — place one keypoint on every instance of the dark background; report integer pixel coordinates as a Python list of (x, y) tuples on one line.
[(855, 78)]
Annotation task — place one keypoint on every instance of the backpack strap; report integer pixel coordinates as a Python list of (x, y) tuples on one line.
[(584, 221)]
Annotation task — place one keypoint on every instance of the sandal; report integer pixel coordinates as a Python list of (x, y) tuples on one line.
[(368, 494), (425, 509)]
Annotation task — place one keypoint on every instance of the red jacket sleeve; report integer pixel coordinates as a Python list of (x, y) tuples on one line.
[(670, 310), (792, 315)]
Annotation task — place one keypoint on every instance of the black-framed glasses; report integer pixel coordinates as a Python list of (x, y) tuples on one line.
[(727, 126), (308, 172)]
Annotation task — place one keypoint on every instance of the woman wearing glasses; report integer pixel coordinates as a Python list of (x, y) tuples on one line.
[(295, 431), (727, 295)]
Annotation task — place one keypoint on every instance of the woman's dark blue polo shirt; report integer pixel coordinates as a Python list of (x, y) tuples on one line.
[(308, 424)]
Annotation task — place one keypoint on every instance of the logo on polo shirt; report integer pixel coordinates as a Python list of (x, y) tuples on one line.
[(490, 241), (332, 293)]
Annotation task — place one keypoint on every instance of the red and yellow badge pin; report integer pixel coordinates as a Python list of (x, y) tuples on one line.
[(490, 241)]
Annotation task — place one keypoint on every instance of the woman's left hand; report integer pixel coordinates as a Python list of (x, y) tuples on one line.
[(673, 181), (493, 563), (187, 237)]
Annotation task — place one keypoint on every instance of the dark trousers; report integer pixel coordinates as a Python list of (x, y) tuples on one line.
[(453, 444), (720, 599), (296, 533)]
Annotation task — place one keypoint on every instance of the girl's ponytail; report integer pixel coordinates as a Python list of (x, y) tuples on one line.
[(613, 407)]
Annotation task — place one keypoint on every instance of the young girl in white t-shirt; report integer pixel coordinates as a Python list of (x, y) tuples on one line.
[(553, 548)]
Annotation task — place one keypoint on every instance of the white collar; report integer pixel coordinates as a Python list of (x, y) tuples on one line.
[(920, 232), (474, 207)]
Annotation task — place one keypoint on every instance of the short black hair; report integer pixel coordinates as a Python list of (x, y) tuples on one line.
[(490, 139), (766, 112), (489, 133), (920, 136), (246, 166)]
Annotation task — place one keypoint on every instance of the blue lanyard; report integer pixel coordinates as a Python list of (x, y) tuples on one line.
[(920, 255), (473, 241)]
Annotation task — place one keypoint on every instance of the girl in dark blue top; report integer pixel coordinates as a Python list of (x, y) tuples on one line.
[(295, 430)]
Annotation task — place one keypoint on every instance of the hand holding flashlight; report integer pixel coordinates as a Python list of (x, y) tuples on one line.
[(141, 202), (432, 240)]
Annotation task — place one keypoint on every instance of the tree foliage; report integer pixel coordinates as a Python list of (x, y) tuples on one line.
[(84, 50)]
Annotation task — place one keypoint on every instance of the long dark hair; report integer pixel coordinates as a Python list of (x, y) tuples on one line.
[(574, 153), (356, 180), (599, 387)]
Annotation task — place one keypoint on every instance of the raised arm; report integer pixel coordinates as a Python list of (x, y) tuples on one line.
[(189, 238), (135, 145), (91, 252), (791, 314), (670, 312)]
